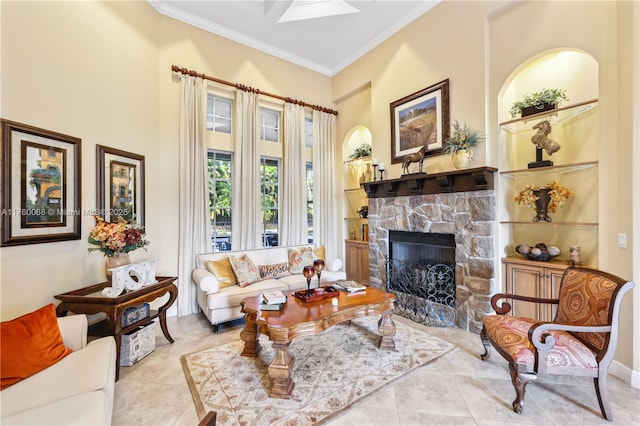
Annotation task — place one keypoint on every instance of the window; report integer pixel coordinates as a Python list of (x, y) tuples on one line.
[(219, 114), (308, 132), (269, 196), (219, 168), (309, 192), (269, 125)]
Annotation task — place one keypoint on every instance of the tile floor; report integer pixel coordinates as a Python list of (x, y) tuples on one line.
[(457, 389)]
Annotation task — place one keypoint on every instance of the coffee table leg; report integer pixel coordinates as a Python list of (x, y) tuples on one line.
[(249, 335), (387, 329), (280, 371)]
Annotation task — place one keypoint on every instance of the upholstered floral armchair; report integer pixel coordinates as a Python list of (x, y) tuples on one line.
[(581, 341)]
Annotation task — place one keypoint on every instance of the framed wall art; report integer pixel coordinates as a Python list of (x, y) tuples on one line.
[(419, 120), (120, 185), (41, 189)]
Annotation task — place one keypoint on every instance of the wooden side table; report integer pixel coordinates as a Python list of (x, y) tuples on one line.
[(89, 300)]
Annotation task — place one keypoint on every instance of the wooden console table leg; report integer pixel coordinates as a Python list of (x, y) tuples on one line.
[(387, 329), (249, 335), (173, 295), (280, 371)]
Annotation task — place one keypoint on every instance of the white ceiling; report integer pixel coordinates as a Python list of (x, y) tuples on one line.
[(326, 45)]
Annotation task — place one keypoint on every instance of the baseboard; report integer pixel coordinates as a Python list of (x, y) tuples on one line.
[(625, 374)]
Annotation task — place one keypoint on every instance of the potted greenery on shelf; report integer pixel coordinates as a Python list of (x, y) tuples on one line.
[(363, 150), (533, 103)]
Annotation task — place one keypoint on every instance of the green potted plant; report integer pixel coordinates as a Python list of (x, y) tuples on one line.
[(363, 150), (533, 103), (460, 142)]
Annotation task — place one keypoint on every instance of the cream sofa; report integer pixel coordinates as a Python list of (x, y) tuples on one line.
[(77, 390), (223, 304)]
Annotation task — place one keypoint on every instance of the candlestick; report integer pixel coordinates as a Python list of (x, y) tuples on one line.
[(381, 169), (375, 167), (381, 173), (374, 162)]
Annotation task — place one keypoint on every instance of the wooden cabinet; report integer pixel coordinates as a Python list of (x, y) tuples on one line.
[(357, 260), (535, 279)]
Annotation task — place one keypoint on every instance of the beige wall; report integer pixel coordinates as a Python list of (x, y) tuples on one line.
[(101, 71), (478, 46)]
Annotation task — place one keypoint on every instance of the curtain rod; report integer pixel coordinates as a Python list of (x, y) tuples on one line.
[(192, 73)]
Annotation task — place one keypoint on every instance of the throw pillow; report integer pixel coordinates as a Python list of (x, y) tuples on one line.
[(299, 258), (223, 271), (276, 270), (30, 344), (245, 270), (319, 253)]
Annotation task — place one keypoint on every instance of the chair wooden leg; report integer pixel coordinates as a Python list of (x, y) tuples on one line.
[(520, 382), (602, 392), (487, 345)]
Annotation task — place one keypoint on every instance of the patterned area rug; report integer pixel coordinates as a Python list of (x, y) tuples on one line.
[(332, 370)]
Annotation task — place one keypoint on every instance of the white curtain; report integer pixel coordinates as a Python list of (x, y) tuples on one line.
[(194, 229), (293, 223), (326, 218), (246, 228)]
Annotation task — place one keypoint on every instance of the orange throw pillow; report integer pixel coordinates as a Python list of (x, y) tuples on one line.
[(30, 344)]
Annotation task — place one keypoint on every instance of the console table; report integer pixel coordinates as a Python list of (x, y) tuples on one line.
[(90, 300)]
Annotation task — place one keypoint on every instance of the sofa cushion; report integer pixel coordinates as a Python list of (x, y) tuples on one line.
[(246, 271), (92, 368), (223, 271), (319, 253), (276, 270), (298, 258), (30, 344)]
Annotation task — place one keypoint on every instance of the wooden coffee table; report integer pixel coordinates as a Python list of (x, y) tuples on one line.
[(298, 318)]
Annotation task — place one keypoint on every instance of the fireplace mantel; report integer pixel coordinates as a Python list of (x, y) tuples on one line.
[(476, 179)]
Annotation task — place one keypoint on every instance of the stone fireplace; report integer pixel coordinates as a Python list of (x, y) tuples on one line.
[(460, 203)]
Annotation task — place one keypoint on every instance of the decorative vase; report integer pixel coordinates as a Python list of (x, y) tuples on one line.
[(461, 158), (114, 261), (542, 205)]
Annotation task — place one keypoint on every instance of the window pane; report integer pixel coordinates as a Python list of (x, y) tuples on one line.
[(269, 125), (219, 164), (219, 114), (269, 200), (309, 202)]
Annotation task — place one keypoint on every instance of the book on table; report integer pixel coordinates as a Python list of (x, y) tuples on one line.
[(271, 306), (274, 297), (349, 286)]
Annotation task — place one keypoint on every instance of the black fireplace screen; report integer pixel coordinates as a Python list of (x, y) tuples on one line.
[(424, 293), (421, 274)]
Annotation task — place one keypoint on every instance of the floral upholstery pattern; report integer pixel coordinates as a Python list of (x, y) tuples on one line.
[(245, 270), (585, 299), (299, 258), (511, 335)]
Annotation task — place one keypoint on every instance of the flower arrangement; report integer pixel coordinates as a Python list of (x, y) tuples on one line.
[(113, 238), (558, 195), (462, 137), (538, 99)]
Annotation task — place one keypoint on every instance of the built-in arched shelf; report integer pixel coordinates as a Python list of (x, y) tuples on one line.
[(574, 126)]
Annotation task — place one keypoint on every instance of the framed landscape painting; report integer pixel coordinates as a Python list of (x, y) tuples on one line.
[(41, 190), (418, 120)]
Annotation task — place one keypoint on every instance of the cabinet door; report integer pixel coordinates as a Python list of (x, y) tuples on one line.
[(551, 290), (364, 264), (524, 280), (352, 261)]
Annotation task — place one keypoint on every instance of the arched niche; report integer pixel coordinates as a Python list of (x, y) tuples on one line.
[(356, 137), (570, 69)]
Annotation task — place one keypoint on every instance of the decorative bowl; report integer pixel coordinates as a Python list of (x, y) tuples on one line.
[(539, 257)]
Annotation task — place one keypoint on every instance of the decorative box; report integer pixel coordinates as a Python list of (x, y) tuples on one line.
[(135, 313), (137, 344)]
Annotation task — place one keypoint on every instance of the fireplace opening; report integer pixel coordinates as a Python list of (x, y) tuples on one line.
[(421, 274)]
